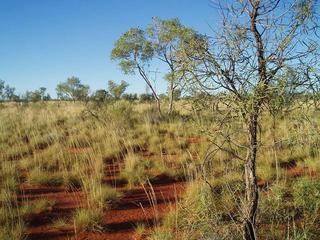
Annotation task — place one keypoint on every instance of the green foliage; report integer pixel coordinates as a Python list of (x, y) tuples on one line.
[(7, 92), (139, 231), (135, 170), (120, 113), (130, 96), (44, 178), (145, 97), (88, 219), (100, 95), (274, 209), (37, 95), (162, 40), (103, 197), (132, 50), (167, 37), (161, 235), (200, 215), (73, 182), (76, 147), (2, 85), (117, 90), (72, 89), (306, 195), (35, 207)]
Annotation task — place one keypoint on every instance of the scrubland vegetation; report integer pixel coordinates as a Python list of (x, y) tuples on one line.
[(231, 151), (59, 145)]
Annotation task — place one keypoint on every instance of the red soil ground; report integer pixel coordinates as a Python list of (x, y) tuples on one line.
[(139, 205)]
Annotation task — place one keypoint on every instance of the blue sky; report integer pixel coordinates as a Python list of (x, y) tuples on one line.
[(43, 42)]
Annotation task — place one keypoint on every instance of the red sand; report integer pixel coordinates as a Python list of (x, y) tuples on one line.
[(139, 205)]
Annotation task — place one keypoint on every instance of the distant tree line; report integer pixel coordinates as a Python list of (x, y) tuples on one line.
[(73, 90), (8, 93)]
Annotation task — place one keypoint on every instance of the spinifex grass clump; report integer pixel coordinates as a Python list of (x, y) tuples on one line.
[(73, 182), (306, 195), (136, 169), (30, 210), (199, 215), (99, 199), (88, 219), (11, 221), (45, 178), (103, 197)]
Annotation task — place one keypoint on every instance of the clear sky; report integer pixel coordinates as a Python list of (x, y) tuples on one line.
[(43, 42)]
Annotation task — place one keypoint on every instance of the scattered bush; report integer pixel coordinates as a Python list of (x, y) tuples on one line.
[(103, 197), (88, 219), (32, 209), (161, 235), (73, 182), (43, 178), (306, 193), (135, 170)]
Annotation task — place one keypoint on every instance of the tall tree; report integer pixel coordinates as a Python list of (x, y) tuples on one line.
[(35, 96), (134, 52), (42, 91), (117, 90), (166, 37), (26, 96), (161, 40), (9, 93), (257, 43), (72, 89)]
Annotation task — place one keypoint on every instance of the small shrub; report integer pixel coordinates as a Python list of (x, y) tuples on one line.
[(274, 208), (120, 114), (159, 234), (45, 178), (35, 207), (202, 215), (306, 195), (151, 115), (104, 196), (171, 146), (135, 171), (88, 219), (60, 222), (74, 182)]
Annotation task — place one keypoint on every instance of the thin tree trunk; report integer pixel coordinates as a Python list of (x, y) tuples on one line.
[(251, 191), (158, 107), (155, 95), (274, 146), (171, 90)]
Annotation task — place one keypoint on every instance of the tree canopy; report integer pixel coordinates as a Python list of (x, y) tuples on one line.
[(117, 90), (161, 40), (72, 89)]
